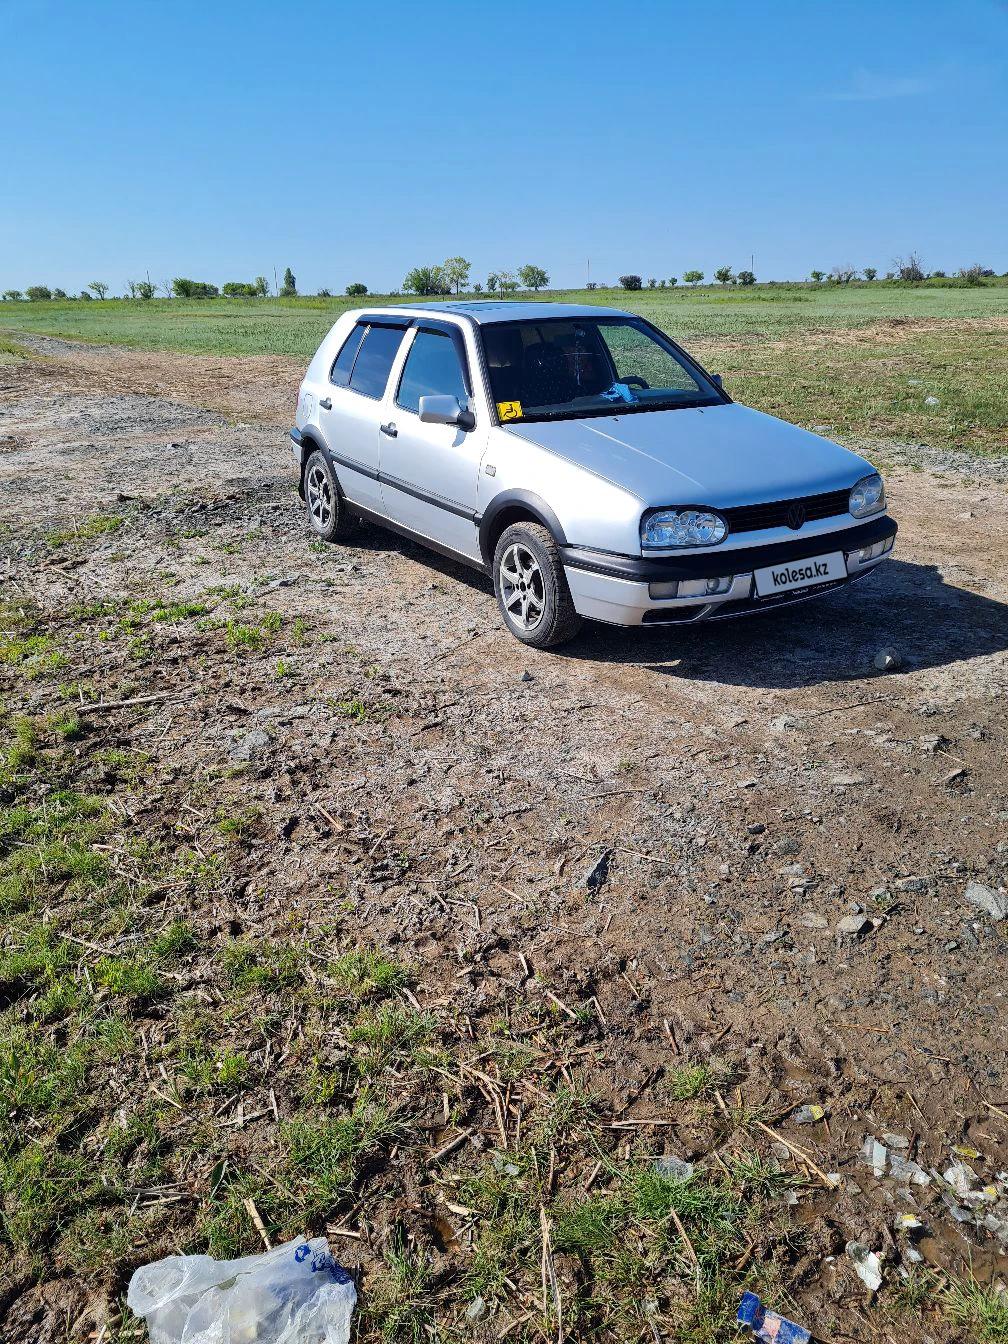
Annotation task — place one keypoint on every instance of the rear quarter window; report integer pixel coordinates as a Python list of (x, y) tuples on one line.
[(344, 361)]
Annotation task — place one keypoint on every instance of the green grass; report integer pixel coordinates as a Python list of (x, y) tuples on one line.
[(89, 530), (326, 1153), (862, 359), (48, 844), (399, 1304), (34, 655), (981, 1310), (367, 973), (262, 964), (386, 1034), (11, 351), (689, 1081), (296, 326), (252, 638)]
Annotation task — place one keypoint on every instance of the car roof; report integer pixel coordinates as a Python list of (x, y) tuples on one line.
[(508, 310)]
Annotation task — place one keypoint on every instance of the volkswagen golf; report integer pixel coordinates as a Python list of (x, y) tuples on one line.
[(581, 458)]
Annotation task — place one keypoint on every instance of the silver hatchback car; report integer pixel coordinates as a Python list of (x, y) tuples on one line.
[(584, 460)]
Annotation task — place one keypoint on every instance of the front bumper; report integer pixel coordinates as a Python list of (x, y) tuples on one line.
[(618, 589)]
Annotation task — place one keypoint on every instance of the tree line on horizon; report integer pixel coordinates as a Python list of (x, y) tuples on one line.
[(452, 276)]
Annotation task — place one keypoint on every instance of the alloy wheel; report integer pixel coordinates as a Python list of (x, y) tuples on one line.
[(523, 589), (320, 498)]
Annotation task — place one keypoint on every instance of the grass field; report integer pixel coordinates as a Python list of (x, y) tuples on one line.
[(925, 364)]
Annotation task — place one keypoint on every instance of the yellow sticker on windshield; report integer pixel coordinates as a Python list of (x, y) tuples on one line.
[(509, 410)]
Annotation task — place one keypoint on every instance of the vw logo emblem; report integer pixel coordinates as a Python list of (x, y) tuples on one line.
[(795, 516)]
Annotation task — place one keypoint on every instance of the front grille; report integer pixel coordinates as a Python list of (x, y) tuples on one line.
[(758, 517)]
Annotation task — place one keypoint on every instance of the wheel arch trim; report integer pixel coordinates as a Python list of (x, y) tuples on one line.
[(311, 441), (528, 502)]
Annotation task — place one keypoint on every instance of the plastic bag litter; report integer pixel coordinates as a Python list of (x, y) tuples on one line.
[(295, 1294)]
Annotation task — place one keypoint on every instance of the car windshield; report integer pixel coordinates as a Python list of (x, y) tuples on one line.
[(567, 368)]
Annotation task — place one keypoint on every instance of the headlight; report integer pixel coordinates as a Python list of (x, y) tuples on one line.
[(867, 497), (663, 529)]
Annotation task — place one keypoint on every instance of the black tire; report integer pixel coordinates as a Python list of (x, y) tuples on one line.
[(328, 514), (533, 598)]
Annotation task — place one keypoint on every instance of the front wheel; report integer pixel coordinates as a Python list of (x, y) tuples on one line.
[(327, 511), (531, 587)]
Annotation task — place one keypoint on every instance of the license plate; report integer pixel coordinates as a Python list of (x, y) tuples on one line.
[(800, 574)]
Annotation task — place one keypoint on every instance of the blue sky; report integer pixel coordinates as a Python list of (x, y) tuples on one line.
[(351, 141)]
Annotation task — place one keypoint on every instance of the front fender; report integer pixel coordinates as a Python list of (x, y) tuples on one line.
[(579, 507)]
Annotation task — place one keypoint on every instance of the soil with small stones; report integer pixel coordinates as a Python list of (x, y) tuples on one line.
[(752, 783)]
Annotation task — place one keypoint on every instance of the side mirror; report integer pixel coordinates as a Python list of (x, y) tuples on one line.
[(716, 380), (445, 410)]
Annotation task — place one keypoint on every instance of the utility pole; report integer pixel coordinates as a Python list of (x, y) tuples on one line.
[(588, 274), (276, 287)]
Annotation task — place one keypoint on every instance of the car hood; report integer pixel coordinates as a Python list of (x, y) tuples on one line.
[(715, 455)]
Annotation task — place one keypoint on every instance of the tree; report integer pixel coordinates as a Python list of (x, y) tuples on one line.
[(533, 277), (630, 281), (493, 282), (356, 290), (425, 280), (723, 275), (12, 296), (843, 275), (909, 268), (692, 277), (870, 273), (59, 293), (99, 287), (238, 289), (86, 296), (261, 286), (818, 276), (508, 282), (456, 272), (674, 280), (289, 287), (38, 293), (193, 289), (477, 288), (746, 278)]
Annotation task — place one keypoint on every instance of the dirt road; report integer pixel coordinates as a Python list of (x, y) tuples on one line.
[(789, 832)]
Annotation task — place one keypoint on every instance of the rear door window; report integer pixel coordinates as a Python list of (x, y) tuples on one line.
[(374, 360), (432, 368)]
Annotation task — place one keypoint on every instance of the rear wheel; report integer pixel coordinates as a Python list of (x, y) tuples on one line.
[(531, 587), (327, 511)]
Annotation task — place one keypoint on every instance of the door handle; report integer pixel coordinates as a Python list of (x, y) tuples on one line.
[(389, 429), (326, 404)]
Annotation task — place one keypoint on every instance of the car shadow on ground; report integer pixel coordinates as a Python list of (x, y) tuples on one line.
[(371, 537), (832, 638)]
